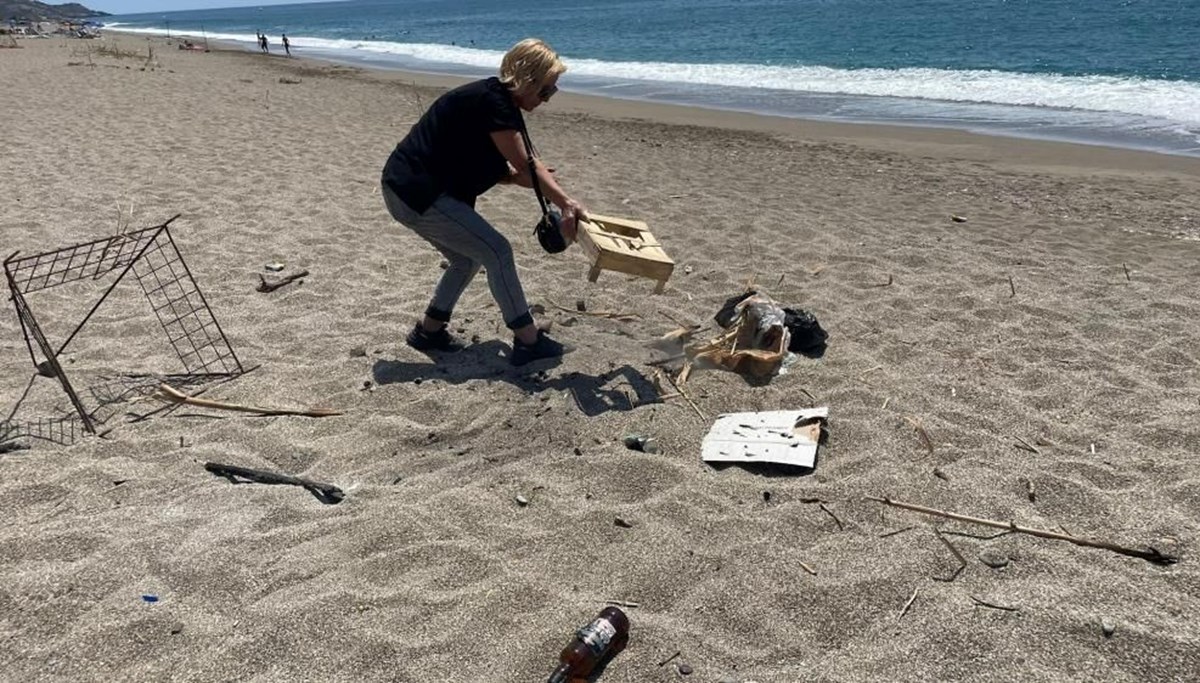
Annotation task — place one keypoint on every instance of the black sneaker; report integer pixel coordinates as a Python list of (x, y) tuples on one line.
[(542, 349), (441, 340)]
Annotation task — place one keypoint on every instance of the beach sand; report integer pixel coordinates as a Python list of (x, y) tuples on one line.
[(1061, 317)]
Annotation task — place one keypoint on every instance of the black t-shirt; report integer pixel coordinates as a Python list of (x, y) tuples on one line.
[(450, 150)]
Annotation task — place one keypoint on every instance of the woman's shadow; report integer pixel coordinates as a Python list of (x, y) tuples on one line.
[(622, 388)]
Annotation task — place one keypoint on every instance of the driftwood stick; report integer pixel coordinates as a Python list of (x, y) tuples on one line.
[(829, 512), (679, 389), (992, 605), (611, 315), (962, 562), (326, 493), (1150, 554), (264, 286), (623, 603), (1025, 445), (172, 395), (908, 604)]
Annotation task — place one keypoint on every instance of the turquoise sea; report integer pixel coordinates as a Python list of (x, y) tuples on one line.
[(1123, 73)]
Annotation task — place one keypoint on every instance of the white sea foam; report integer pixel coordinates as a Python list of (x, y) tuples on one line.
[(1177, 101)]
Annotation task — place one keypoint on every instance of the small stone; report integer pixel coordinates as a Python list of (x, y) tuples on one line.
[(766, 496), (994, 559), (578, 450), (358, 352), (621, 522), (580, 305), (444, 264), (729, 679), (366, 384), (1108, 627), (685, 668), (537, 309), (569, 322), (687, 270), (958, 219), (274, 267), (176, 628), (521, 500), (940, 474), (417, 380)]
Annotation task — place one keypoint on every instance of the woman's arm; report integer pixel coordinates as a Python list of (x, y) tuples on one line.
[(511, 145)]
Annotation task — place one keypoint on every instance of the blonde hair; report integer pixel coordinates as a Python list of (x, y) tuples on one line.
[(529, 62)]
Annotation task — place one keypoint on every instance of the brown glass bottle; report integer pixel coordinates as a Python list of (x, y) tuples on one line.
[(605, 636)]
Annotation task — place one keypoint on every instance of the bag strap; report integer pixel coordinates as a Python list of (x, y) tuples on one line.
[(537, 187)]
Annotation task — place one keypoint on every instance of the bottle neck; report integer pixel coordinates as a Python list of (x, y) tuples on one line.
[(560, 674)]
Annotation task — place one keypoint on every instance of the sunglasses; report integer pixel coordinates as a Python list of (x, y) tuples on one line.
[(547, 92)]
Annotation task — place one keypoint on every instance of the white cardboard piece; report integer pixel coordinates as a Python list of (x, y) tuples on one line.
[(765, 437)]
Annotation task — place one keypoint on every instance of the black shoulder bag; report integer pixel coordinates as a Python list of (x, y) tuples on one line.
[(549, 227)]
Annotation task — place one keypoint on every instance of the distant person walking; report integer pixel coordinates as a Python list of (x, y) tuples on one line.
[(287, 46)]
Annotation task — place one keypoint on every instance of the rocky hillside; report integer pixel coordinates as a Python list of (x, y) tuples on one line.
[(30, 10)]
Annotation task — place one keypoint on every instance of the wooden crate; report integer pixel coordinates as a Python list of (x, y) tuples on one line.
[(625, 246)]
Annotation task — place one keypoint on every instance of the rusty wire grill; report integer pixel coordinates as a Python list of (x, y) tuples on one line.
[(179, 306)]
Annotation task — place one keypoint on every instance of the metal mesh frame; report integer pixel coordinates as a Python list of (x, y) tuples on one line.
[(181, 309)]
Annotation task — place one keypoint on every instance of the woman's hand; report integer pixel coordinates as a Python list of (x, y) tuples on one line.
[(573, 212), (574, 208), (569, 227)]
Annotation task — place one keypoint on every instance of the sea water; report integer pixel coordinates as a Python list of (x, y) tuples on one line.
[(1122, 73)]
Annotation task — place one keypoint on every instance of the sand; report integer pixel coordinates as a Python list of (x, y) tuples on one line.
[(1061, 317)]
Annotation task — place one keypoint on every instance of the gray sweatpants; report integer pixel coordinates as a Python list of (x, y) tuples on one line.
[(468, 242)]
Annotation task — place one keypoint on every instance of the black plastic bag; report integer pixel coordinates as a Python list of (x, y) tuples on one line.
[(807, 337)]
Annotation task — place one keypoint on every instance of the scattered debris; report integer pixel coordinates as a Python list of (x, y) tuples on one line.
[(640, 442), (788, 437), (264, 286), (994, 559), (326, 493), (921, 433), (668, 660), (1107, 627), (1150, 554)]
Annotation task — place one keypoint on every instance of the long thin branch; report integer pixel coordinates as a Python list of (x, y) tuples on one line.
[(1151, 554), (170, 394)]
